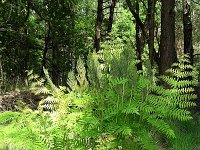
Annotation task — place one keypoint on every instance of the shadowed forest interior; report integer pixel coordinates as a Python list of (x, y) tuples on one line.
[(99, 75)]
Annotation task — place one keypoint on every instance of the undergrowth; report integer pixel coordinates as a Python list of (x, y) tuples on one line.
[(117, 108)]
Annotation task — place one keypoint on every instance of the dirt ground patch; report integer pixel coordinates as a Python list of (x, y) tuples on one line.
[(9, 100)]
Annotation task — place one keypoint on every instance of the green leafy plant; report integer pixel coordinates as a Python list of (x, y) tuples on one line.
[(119, 109), (136, 106), (20, 130)]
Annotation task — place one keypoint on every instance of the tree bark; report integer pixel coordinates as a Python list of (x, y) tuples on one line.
[(139, 45), (151, 24), (141, 29), (26, 41), (26, 44), (136, 16), (55, 65), (187, 29), (46, 47), (141, 35), (168, 53), (99, 21), (111, 16)]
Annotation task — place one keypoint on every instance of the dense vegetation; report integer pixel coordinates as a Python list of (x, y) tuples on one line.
[(109, 75)]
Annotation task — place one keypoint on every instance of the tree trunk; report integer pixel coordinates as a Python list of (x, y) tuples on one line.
[(151, 24), (99, 21), (46, 47), (139, 46), (140, 32), (168, 53), (74, 52), (55, 65), (111, 16), (136, 16), (187, 29), (26, 44)]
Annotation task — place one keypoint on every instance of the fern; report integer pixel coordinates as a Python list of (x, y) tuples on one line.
[(10, 146), (20, 130), (81, 73), (162, 126), (135, 99), (119, 109), (8, 117)]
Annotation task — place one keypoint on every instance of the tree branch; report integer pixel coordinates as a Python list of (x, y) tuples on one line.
[(28, 10), (196, 55), (38, 12), (137, 18), (195, 2)]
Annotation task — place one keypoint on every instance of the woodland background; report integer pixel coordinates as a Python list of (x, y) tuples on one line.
[(99, 74)]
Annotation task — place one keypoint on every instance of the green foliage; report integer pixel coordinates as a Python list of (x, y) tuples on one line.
[(181, 80), (187, 135), (119, 109), (7, 117), (20, 131), (130, 98), (109, 105)]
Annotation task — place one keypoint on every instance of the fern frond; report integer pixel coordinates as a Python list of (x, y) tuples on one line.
[(72, 82), (53, 87), (130, 109), (8, 116), (81, 77), (146, 141), (162, 126), (124, 130), (180, 114)]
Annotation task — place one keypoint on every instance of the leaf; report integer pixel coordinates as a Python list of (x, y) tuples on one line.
[(131, 109)]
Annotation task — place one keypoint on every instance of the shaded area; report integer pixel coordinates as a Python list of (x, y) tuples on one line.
[(9, 100)]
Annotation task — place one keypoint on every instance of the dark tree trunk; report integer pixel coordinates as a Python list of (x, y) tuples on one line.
[(46, 47), (140, 31), (74, 52), (139, 46), (55, 65), (26, 57), (151, 24), (187, 29), (111, 16), (28, 10), (168, 53), (26, 44), (99, 21), (136, 16)]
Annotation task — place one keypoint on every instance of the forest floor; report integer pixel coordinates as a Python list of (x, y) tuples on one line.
[(10, 100), (188, 134)]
